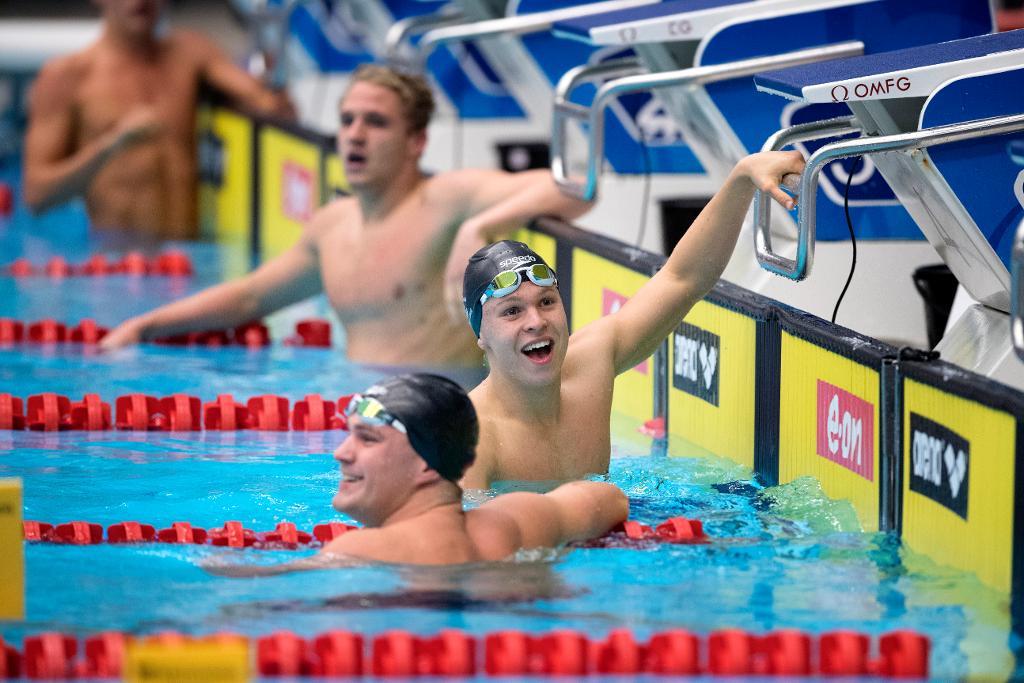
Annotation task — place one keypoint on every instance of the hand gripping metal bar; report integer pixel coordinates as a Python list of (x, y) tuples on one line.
[(903, 142), (403, 29), (1017, 294), (700, 75), (814, 130), (534, 22)]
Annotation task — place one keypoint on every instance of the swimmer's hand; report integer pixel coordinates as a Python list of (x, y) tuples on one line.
[(767, 171), (139, 124), (128, 333)]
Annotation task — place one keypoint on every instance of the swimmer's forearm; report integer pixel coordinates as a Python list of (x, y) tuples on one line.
[(50, 184), (541, 197), (222, 306)]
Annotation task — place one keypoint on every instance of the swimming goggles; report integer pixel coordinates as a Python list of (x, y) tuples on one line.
[(508, 281), (373, 412)]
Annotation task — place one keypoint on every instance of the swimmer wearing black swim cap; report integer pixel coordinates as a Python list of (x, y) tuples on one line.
[(545, 406), (410, 439), (438, 418), (498, 270)]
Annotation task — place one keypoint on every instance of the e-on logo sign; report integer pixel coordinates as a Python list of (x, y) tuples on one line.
[(696, 353), (940, 462), (846, 430)]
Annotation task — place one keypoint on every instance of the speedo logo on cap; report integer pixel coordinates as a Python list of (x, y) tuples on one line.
[(516, 261), (940, 462)]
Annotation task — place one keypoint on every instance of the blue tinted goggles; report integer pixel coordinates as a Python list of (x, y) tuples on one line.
[(373, 413)]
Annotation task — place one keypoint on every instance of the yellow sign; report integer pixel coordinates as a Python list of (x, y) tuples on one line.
[(829, 419), (543, 244), (711, 383), (225, 207), (289, 188), (12, 555), (600, 287), (958, 482), (335, 182), (210, 662)]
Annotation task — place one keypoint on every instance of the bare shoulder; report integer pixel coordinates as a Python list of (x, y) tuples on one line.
[(459, 186), (332, 216), (373, 544), (184, 41), (55, 85)]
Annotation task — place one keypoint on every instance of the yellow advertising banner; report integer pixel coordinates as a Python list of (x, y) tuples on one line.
[(289, 188), (829, 418), (711, 383), (12, 553), (600, 287), (959, 482), (226, 191)]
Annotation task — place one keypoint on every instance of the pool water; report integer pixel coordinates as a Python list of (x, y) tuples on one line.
[(782, 557)]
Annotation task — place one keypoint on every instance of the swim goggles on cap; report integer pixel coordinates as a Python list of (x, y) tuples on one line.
[(373, 412), (508, 281)]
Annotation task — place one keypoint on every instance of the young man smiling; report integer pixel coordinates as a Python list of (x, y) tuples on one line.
[(380, 255), (545, 405), (410, 440)]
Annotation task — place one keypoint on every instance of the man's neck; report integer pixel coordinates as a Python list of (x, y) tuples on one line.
[(442, 498), (135, 44), (378, 202), (534, 403)]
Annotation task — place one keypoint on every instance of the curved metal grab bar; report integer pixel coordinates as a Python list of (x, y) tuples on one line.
[(517, 25), (814, 130), (564, 110), (1017, 294), (799, 268), (700, 75), (402, 29)]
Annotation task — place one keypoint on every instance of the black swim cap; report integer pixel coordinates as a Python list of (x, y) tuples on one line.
[(484, 265), (439, 419)]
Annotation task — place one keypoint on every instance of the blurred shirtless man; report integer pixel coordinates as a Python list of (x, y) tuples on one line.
[(411, 438), (545, 405), (380, 255), (115, 123)]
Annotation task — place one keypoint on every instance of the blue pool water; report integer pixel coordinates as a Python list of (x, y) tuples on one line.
[(783, 557)]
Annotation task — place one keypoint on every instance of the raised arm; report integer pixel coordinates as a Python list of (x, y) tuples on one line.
[(54, 171), (284, 280), (497, 203), (697, 261), (576, 511), (223, 75)]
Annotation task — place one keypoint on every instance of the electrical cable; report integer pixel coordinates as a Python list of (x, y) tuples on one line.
[(853, 238)]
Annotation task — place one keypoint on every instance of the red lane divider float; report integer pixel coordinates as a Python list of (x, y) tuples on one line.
[(49, 332), (233, 534), (173, 262), (285, 535), (728, 652), (138, 412)]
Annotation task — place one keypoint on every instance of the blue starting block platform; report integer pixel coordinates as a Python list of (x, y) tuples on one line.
[(664, 21), (944, 124)]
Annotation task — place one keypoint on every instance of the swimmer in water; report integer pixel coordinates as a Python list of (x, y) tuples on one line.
[(410, 440), (115, 123), (545, 406), (381, 256)]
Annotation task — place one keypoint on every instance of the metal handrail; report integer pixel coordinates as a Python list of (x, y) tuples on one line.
[(534, 22), (701, 75), (1017, 294), (804, 132), (565, 109), (402, 29), (799, 268)]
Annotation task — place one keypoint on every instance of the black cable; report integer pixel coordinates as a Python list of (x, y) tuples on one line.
[(853, 239)]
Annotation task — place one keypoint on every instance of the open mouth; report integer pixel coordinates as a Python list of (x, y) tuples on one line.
[(355, 162), (350, 479), (539, 351)]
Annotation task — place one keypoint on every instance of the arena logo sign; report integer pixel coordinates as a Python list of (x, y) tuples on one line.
[(697, 356), (611, 301), (940, 462), (881, 88), (846, 430)]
